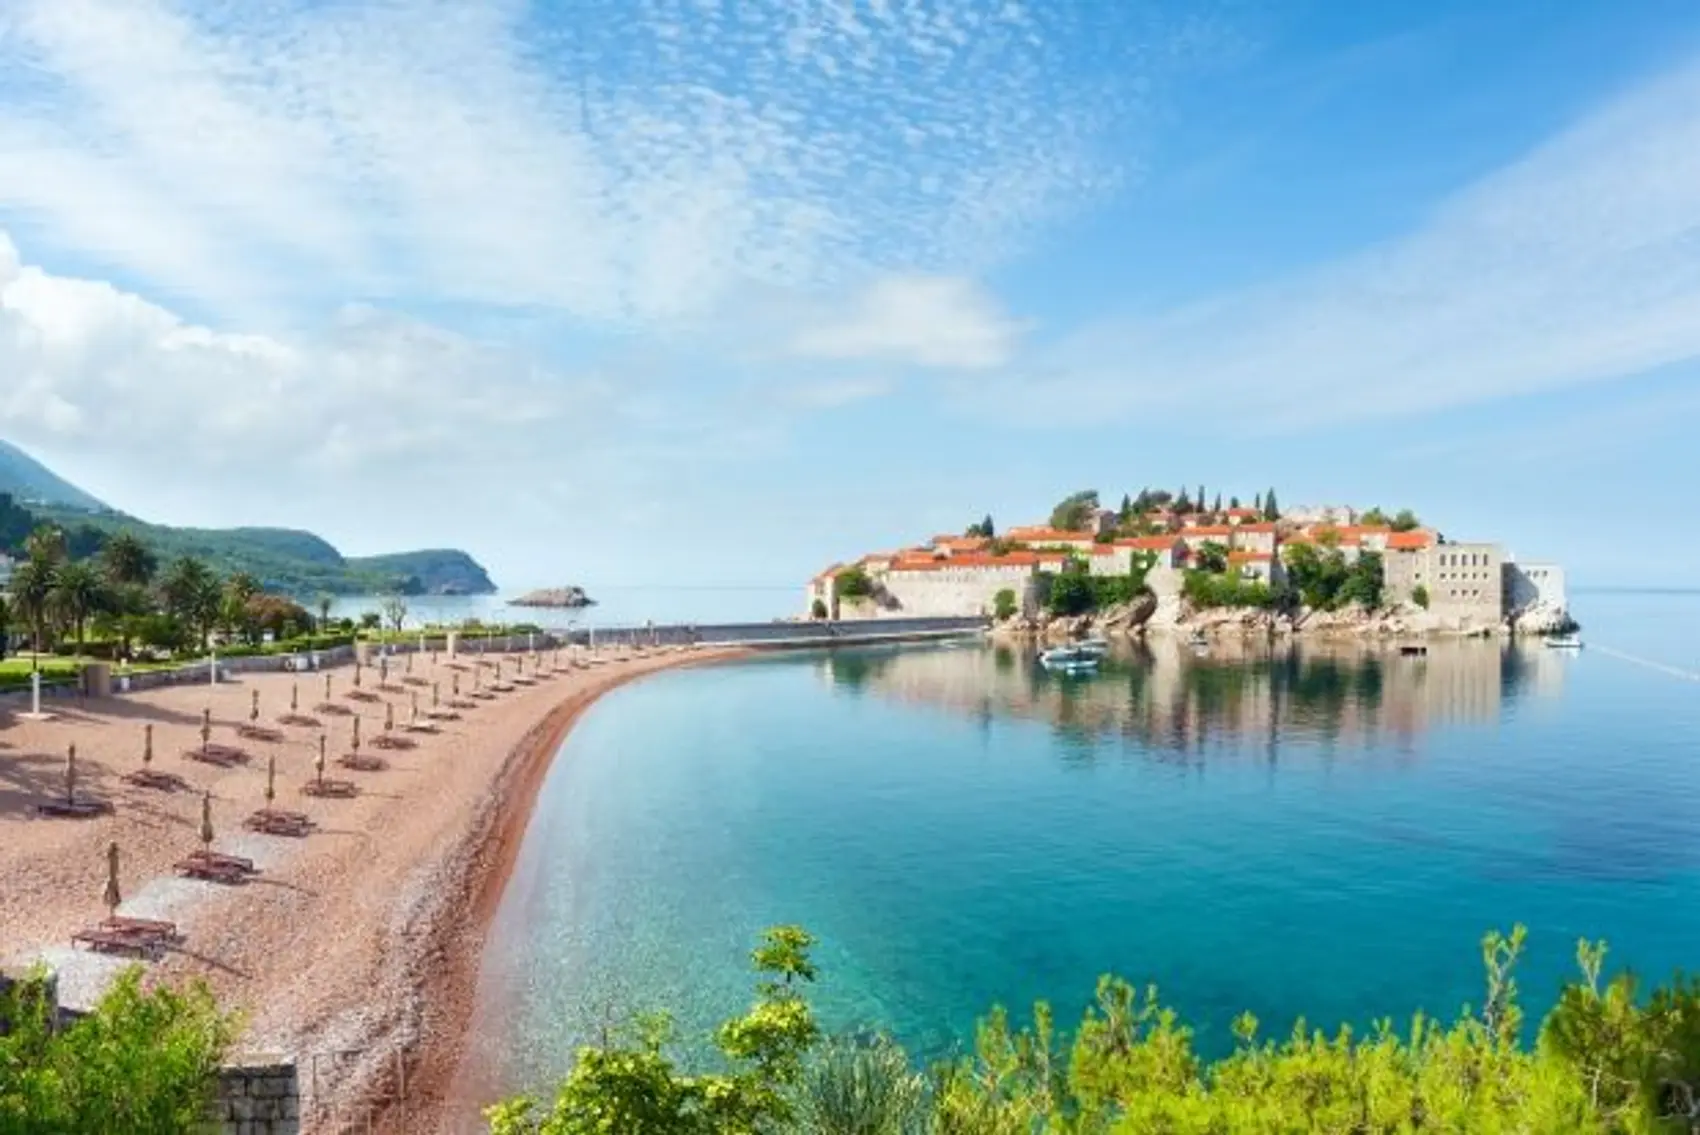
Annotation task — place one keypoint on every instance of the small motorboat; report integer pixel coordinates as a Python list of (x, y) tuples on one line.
[(1096, 647), (1565, 641), (1069, 659)]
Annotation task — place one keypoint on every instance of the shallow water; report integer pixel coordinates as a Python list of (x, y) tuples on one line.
[(1325, 832)]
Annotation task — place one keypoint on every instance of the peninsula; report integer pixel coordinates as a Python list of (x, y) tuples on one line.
[(1166, 561)]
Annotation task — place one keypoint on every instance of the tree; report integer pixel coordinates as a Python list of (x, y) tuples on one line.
[(1373, 518), (1257, 504), (128, 561), (817, 609), (1005, 605), (1212, 557), (1125, 513), (324, 603), (33, 583), (5, 627), (983, 530), (631, 1086), (1405, 521), (143, 1062), (47, 544), (1199, 499), (1074, 511), (370, 620), (1363, 582), (78, 593), (1071, 591), (1419, 596), (395, 612), (1270, 510), (1233, 502), (1217, 507), (193, 596), (852, 583)]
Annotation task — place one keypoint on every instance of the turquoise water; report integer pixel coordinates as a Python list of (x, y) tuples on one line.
[(1326, 833)]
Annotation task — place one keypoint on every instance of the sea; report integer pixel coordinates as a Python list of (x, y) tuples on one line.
[(614, 607), (1309, 831)]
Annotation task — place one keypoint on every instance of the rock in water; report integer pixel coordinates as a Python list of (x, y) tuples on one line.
[(554, 597)]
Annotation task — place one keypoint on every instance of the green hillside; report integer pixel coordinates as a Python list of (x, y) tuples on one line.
[(28, 481), (285, 559)]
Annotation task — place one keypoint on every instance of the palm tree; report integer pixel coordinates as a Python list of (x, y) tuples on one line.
[(324, 613), (33, 582), (78, 592), (127, 560), (5, 626), (193, 595), (46, 544)]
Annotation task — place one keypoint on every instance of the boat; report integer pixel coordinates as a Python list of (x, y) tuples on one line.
[(1198, 639), (1069, 659), (1096, 647), (1565, 641)]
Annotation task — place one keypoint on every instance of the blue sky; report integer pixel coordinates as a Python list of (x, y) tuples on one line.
[(628, 292)]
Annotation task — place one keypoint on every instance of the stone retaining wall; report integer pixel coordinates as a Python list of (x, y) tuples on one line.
[(261, 1097)]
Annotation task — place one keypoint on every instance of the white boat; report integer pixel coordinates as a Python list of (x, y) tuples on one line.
[(1096, 647), (1565, 641), (1070, 659)]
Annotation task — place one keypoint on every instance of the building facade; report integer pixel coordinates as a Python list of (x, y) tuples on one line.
[(1530, 584), (1462, 581)]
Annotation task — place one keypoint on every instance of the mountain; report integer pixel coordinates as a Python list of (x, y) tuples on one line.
[(28, 482), (285, 560)]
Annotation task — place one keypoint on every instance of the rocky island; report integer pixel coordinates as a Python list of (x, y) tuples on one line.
[(1176, 562), (562, 597)]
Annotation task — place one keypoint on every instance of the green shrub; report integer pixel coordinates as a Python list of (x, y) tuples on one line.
[(141, 1062), (1207, 589), (852, 583), (1005, 605), (1419, 596)]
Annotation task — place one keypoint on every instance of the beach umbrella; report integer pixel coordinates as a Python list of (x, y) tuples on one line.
[(294, 697), (454, 683), (71, 774), (435, 688), (147, 745), (112, 897), (327, 687), (357, 673), (415, 710), (383, 669), (477, 674), (407, 663), (206, 727), (206, 821), (319, 763), (357, 734), (389, 716), (271, 781), (254, 706)]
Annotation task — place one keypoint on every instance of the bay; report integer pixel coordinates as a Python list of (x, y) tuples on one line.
[(1324, 832)]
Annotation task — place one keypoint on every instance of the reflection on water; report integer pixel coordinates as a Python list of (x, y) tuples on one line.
[(1174, 699)]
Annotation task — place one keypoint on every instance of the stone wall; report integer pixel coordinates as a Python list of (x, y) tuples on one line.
[(260, 1097), (958, 592)]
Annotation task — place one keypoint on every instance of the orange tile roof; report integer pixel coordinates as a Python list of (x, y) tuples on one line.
[(1150, 543), (981, 560), (1209, 530), (1265, 526), (1244, 512), (1040, 534), (1414, 540), (1253, 557)]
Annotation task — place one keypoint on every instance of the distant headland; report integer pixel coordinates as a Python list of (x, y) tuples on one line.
[(284, 560), (1183, 561)]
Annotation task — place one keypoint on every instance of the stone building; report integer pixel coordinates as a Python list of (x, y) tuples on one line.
[(1463, 581), (1530, 585)]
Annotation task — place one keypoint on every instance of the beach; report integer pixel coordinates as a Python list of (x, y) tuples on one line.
[(354, 950)]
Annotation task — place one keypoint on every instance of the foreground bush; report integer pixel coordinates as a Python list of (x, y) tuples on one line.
[(1604, 1061), (143, 1063)]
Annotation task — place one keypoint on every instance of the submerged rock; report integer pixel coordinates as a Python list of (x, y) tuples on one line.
[(554, 597)]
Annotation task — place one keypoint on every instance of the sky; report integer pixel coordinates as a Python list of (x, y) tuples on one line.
[(669, 292)]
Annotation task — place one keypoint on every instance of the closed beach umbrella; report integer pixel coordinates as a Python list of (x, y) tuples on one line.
[(327, 687), (147, 745), (415, 711), (357, 734), (319, 762), (206, 727), (71, 774), (455, 683), (254, 706), (383, 669), (407, 663), (294, 697), (206, 820), (271, 780), (436, 687), (113, 896), (357, 673), (389, 716)]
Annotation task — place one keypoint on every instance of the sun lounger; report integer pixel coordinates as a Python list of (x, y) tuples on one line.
[(210, 871), (219, 858), (443, 715), (115, 942), (391, 741), (258, 733), (224, 756), (124, 924), (420, 727), (271, 822), (361, 762), (299, 719), (153, 778), (415, 682), (331, 789), (362, 696), (333, 709), (80, 808)]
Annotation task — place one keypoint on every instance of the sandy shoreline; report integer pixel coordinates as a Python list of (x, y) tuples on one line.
[(355, 950)]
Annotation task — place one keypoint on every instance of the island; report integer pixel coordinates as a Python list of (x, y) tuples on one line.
[(564, 597), (1183, 562)]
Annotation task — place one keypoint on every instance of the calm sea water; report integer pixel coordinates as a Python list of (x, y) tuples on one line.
[(1326, 833), (615, 607)]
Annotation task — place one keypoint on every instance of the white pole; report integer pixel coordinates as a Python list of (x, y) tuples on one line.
[(212, 668), (35, 693)]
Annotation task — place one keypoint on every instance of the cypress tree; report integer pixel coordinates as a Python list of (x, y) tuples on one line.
[(1270, 512)]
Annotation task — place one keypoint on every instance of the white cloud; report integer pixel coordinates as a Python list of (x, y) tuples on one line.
[(632, 163), (1578, 263), (927, 321)]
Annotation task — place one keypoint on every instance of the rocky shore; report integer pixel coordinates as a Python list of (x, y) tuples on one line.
[(566, 597), (1175, 615)]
